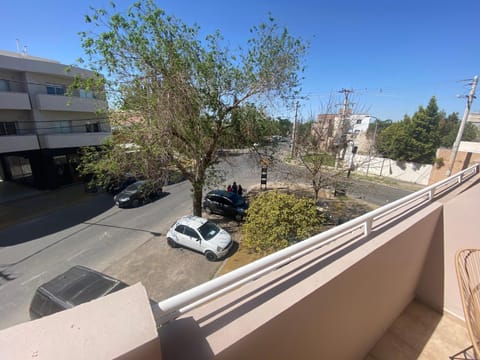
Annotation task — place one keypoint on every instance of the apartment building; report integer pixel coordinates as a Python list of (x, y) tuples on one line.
[(333, 129), (42, 124)]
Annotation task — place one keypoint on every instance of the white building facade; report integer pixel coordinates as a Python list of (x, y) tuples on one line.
[(42, 125)]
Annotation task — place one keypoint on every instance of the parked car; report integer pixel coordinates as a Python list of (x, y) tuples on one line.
[(76, 286), (115, 186), (225, 203), (201, 235), (136, 194)]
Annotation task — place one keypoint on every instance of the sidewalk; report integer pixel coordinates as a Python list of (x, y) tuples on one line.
[(19, 203)]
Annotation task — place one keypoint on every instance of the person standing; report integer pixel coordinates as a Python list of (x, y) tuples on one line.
[(240, 190), (229, 188), (234, 187)]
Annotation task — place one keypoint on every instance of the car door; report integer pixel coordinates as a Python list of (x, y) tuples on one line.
[(223, 204), (228, 207), (193, 238), (181, 238), (216, 206)]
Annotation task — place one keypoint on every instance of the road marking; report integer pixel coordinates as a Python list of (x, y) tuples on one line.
[(33, 278), (76, 255)]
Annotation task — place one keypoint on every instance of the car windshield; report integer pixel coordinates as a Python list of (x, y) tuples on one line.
[(208, 230), (134, 186)]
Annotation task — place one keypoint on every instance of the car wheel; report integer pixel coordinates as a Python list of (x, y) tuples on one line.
[(135, 203), (210, 256), (208, 210), (172, 243)]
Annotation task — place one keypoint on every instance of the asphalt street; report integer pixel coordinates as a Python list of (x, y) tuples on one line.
[(126, 243)]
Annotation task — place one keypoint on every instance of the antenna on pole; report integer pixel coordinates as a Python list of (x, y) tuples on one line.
[(18, 45)]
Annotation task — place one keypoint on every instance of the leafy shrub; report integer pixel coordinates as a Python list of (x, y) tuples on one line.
[(276, 220)]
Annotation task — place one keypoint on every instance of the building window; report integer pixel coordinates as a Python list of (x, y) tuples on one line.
[(8, 128), (55, 89), (86, 94), (95, 127), (19, 167), (4, 85), (63, 127), (359, 121)]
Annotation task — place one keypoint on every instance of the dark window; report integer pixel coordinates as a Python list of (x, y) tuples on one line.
[(54, 89), (225, 201), (214, 198), (8, 128), (4, 85), (95, 127), (38, 304), (209, 230), (190, 232), (180, 229), (359, 121)]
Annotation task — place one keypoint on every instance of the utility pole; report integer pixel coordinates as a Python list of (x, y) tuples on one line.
[(294, 132), (456, 144), (372, 145)]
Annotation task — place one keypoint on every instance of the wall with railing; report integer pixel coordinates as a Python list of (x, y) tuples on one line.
[(330, 296)]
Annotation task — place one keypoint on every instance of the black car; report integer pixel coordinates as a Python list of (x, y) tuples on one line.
[(225, 203), (76, 286), (136, 194), (117, 185)]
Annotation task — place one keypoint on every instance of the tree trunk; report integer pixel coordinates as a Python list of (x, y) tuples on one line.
[(197, 199)]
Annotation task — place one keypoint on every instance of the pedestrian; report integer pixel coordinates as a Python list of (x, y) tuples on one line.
[(234, 187), (240, 190), (229, 188)]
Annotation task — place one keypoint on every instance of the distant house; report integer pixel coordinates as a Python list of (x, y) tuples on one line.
[(474, 118), (42, 126), (334, 129)]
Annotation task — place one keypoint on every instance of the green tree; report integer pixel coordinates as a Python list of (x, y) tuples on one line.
[(276, 220), (284, 127), (448, 129), (186, 89), (393, 141), (414, 139), (424, 134), (249, 125)]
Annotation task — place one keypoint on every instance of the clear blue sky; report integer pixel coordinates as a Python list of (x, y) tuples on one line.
[(395, 55)]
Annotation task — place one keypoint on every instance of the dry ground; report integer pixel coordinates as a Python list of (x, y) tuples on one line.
[(340, 209)]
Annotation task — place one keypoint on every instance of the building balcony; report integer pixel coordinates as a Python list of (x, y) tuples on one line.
[(13, 143), (69, 103), (14, 101), (381, 286), (73, 139)]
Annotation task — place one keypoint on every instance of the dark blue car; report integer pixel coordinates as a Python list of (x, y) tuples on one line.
[(225, 203)]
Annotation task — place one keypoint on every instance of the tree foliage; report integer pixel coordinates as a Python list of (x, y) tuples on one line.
[(114, 160), (448, 128), (417, 138), (188, 90), (276, 220)]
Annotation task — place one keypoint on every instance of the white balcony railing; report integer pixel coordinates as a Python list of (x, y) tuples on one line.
[(174, 306)]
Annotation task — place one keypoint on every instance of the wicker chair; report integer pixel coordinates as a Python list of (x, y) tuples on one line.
[(467, 264)]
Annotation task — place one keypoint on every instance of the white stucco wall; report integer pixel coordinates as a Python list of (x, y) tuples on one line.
[(403, 171)]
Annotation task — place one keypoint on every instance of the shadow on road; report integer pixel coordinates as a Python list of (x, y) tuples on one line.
[(52, 219)]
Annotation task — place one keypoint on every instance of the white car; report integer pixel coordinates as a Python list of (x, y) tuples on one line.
[(201, 235)]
